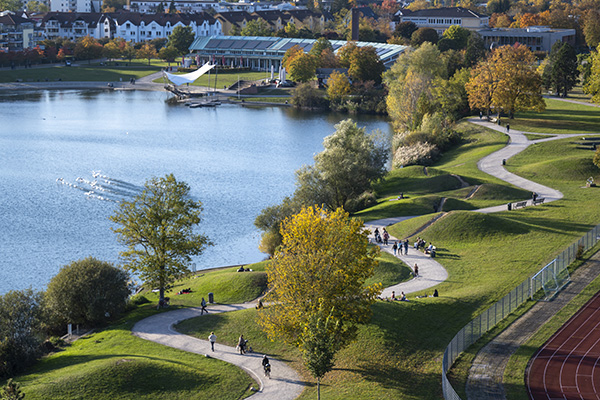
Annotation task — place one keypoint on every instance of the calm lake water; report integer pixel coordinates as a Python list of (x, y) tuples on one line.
[(67, 156)]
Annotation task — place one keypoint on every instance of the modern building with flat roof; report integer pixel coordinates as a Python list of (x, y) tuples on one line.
[(262, 53), (537, 38)]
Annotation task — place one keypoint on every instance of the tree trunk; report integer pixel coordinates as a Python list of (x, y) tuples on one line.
[(318, 388)]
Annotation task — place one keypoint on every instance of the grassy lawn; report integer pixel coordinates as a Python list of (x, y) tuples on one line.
[(114, 364), (84, 72), (559, 117), (224, 78)]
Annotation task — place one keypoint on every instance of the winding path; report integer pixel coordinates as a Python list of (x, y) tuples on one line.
[(286, 383)]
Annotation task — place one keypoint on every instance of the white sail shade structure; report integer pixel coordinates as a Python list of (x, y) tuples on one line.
[(190, 77)]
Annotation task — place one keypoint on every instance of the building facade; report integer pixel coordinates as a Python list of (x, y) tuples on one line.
[(266, 53), (16, 32), (441, 19), (134, 27), (537, 38)]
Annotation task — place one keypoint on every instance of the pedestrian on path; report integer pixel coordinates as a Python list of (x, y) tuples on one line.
[(507, 128), (406, 247), (203, 304), (212, 338), (395, 247), (416, 269), (400, 245)]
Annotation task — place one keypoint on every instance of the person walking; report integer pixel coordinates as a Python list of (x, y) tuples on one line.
[(212, 338), (203, 304), (400, 245), (416, 269), (406, 247), (395, 248), (507, 128)]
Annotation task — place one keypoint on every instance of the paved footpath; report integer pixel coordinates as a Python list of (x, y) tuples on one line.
[(285, 383)]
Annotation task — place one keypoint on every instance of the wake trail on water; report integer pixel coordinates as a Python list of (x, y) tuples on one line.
[(103, 187)]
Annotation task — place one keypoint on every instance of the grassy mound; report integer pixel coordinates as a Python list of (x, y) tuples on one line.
[(227, 285), (114, 364), (492, 191)]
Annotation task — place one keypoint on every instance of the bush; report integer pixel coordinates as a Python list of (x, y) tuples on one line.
[(365, 200), (418, 153), (87, 291), (21, 332), (305, 96)]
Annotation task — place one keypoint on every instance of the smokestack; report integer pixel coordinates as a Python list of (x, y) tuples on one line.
[(354, 22)]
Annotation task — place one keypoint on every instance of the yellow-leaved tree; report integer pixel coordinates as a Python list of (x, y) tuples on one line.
[(317, 293)]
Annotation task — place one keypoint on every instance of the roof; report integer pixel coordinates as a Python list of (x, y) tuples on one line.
[(10, 19), (448, 12)]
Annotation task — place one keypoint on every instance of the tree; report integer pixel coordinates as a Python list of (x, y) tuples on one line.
[(302, 67), (507, 82), (36, 6), (350, 163), (129, 52), (317, 285), (405, 29), (591, 28), (147, 51), (306, 96), (423, 35), (592, 85), (172, 8), (291, 53), (561, 72), (11, 5), (181, 38), (168, 53), (338, 87), (256, 27), (87, 291), (475, 50), (111, 50), (319, 46), (365, 65), (596, 159), (157, 228), (21, 330), (497, 6), (88, 48), (458, 35)]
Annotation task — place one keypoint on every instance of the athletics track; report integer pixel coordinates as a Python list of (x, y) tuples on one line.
[(566, 367)]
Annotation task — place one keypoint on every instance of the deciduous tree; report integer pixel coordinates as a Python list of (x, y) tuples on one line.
[(147, 52), (423, 35), (302, 67), (157, 227), (21, 320), (405, 29), (87, 291), (317, 285), (88, 48), (338, 87), (168, 53), (591, 27), (507, 82), (181, 38), (365, 65), (256, 27)]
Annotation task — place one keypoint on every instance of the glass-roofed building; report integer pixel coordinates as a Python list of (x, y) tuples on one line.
[(262, 53)]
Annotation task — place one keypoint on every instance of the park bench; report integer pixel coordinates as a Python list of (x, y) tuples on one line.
[(538, 201), (519, 204)]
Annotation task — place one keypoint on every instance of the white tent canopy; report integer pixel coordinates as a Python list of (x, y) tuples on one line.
[(190, 77)]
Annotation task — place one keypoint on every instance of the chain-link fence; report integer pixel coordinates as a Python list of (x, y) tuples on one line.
[(499, 310)]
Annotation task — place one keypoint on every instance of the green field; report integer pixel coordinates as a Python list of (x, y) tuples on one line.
[(82, 72), (559, 117)]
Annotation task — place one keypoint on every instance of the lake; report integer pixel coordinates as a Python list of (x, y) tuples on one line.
[(67, 157)]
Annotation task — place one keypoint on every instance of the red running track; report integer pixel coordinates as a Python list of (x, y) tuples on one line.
[(568, 365)]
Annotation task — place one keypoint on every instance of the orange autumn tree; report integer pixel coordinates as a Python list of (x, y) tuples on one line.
[(506, 82), (317, 292)]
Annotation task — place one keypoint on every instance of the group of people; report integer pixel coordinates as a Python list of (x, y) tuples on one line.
[(399, 246), (401, 298), (378, 236), (185, 291), (420, 243)]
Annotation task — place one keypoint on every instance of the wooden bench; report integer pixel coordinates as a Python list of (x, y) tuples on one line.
[(538, 201), (519, 204)]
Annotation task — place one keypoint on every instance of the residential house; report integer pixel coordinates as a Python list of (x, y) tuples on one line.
[(77, 25), (138, 27), (16, 32)]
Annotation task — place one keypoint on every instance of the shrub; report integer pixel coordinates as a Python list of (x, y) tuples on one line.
[(365, 200), (305, 96), (87, 291), (418, 153), (21, 332)]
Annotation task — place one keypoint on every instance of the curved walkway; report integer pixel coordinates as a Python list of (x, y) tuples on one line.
[(285, 382)]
